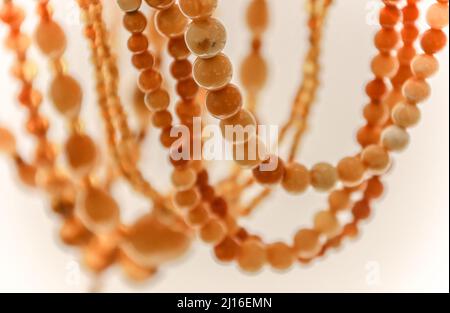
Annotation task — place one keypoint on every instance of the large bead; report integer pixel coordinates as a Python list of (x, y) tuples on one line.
[(206, 38)]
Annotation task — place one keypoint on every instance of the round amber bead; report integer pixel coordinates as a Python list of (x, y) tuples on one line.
[(81, 152), (395, 138), (135, 22), (252, 256), (171, 22), (197, 9), (224, 103), (376, 159), (129, 5), (307, 243), (326, 223), (239, 127), (406, 115), (296, 178), (7, 141), (269, 172), (213, 73), (66, 95), (157, 100), (160, 4), (351, 171), (280, 256), (323, 176), (206, 38), (51, 39)]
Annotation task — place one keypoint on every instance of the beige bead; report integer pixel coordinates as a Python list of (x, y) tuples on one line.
[(196, 9), (240, 127), (296, 178), (184, 178), (214, 73), (66, 95), (376, 158), (129, 5), (206, 38), (280, 256), (437, 15), (406, 115), (7, 141), (252, 256), (213, 231), (51, 39), (160, 4), (385, 65), (307, 243), (416, 90), (326, 223), (395, 138), (351, 171), (323, 177), (424, 66), (170, 22)]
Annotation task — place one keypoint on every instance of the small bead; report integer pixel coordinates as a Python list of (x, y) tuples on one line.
[(184, 179), (157, 100), (433, 40), (416, 90), (51, 39), (181, 69), (424, 66), (170, 22), (186, 199), (376, 113), (385, 65), (437, 16), (224, 103), (129, 5), (339, 200), (254, 72), (160, 4), (187, 89), (406, 115), (137, 43), (66, 95), (198, 216), (7, 141), (269, 172), (280, 256), (143, 60), (213, 232), (73, 232), (252, 256), (227, 250), (376, 159), (296, 178), (162, 119), (149, 80), (395, 138), (323, 177), (389, 16), (135, 22), (197, 9), (351, 171), (214, 73), (249, 154), (178, 49), (307, 243), (81, 152), (326, 223), (239, 127), (206, 38), (368, 135), (219, 207)]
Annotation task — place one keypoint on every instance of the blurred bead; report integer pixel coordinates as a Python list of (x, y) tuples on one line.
[(269, 172), (424, 66), (224, 103), (143, 60), (129, 5), (170, 22), (137, 43), (240, 127), (27, 173), (214, 73), (376, 113), (186, 199), (249, 154), (198, 216), (433, 40), (73, 232), (387, 39), (50, 38), (406, 115), (339, 200), (254, 72), (307, 243), (134, 271), (213, 231), (252, 256), (416, 90), (187, 89), (351, 171), (437, 15), (178, 49), (258, 17), (376, 159), (280, 256), (7, 141), (323, 177), (162, 119), (395, 138), (296, 178), (181, 69), (81, 152), (66, 95), (184, 179), (326, 223), (227, 250), (206, 38)]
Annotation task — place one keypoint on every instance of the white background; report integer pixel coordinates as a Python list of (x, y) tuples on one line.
[(403, 248)]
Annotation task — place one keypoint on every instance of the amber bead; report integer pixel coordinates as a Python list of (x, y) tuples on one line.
[(50, 38), (386, 39), (368, 135), (252, 256), (269, 172), (416, 90), (143, 60), (7, 141), (81, 152), (197, 9), (152, 242), (406, 115), (374, 189), (135, 22), (307, 243), (186, 198), (389, 16), (376, 113), (323, 177), (385, 65), (187, 88), (433, 41), (376, 89), (171, 22), (351, 171), (162, 119), (239, 127), (395, 138), (181, 69), (224, 103), (376, 159), (249, 154), (280, 256), (254, 72), (361, 210), (129, 5), (27, 173), (198, 216), (149, 80), (214, 73), (339, 200), (37, 125), (296, 179), (66, 95), (134, 271), (157, 100), (258, 16), (424, 66), (99, 211), (326, 223), (184, 179), (137, 43), (177, 48), (213, 231), (206, 38), (437, 16), (227, 250)]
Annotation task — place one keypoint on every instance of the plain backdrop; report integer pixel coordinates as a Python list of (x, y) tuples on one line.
[(403, 247)]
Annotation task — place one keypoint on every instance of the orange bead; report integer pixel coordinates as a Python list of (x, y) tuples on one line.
[(395, 138), (170, 22), (254, 72), (206, 38), (197, 9), (376, 113), (387, 39), (376, 159), (280, 256), (258, 16), (252, 256), (323, 177), (406, 115), (227, 250), (143, 60), (351, 171), (51, 39), (240, 127), (307, 243), (385, 65), (7, 141), (224, 103), (160, 4), (149, 80), (157, 100), (198, 216), (66, 95), (424, 66), (129, 5), (137, 43), (214, 73), (135, 22), (326, 223), (269, 172), (81, 153), (213, 231), (416, 90), (339, 200), (437, 15), (249, 154), (296, 178), (177, 48), (433, 40), (186, 199)]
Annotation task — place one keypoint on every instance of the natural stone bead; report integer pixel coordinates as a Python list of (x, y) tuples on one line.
[(27, 173), (178, 49), (137, 43), (81, 153), (135, 22), (171, 22), (197, 9), (187, 88), (296, 178), (351, 171), (376, 158), (433, 40), (129, 5), (339, 200), (51, 39), (66, 95), (258, 16), (98, 211), (323, 177), (269, 172), (227, 250), (254, 72), (181, 69), (252, 256), (406, 115), (326, 223), (416, 90), (206, 38), (224, 103), (385, 65), (249, 154), (307, 243), (437, 15), (143, 60), (198, 216), (424, 66), (149, 80), (395, 138), (376, 113), (187, 198), (160, 4), (368, 135), (213, 231), (134, 271), (387, 39), (213, 73), (239, 127), (184, 179), (7, 141), (280, 256), (157, 100)]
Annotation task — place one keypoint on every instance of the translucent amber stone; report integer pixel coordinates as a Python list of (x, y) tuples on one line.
[(252, 256), (214, 73), (50, 38), (178, 49), (280, 256), (424, 66), (81, 152), (296, 178), (385, 65), (323, 177), (224, 103), (437, 15), (196, 9), (406, 115), (149, 80), (395, 138), (170, 22), (269, 172), (307, 243), (326, 223), (339, 200), (376, 113), (416, 90), (198, 216), (351, 171), (184, 179), (160, 4), (135, 22), (387, 39), (181, 69), (187, 88), (152, 242), (258, 16), (187, 198), (206, 38), (213, 231), (239, 127), (157, 100), (249, 154), (162, 119), (227, 250), (433, 40), (99, 211), (137, 43), (66, 95), (254, 72), (376, 159), (7, 141), (143, 60), (129, 5)]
